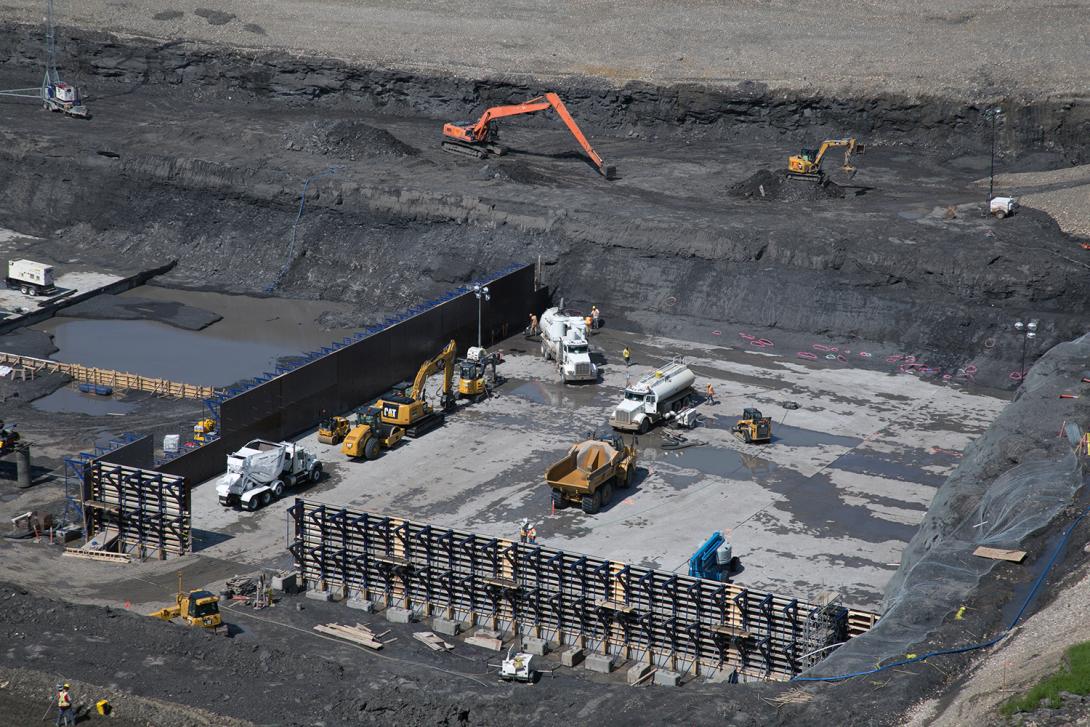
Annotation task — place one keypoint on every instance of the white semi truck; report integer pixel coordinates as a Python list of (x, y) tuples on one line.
[(653, 398), (30, 278), (258, 473), (564, 340)]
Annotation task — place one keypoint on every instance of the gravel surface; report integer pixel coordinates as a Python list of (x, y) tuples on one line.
[(954, 47)]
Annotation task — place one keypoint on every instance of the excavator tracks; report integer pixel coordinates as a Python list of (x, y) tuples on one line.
[(478, 151)]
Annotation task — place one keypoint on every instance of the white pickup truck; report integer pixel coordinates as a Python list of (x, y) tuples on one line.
[(564, 340), (258, 473)]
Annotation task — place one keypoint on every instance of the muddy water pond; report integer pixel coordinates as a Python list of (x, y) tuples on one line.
[(252, 336)]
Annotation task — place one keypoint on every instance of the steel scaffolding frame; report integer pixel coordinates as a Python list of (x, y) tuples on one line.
[(682, 623), (147, 511)]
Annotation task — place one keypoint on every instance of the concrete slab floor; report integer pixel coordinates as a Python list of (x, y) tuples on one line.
[(828, 505)]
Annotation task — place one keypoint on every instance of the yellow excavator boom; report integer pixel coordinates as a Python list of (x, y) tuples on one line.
[(444, 360)]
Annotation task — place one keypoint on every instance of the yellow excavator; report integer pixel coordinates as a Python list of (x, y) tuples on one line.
[(204, 429), (409, 409), (807, 164), (370, 435), (196, 608), (332, 430), (473, 381)]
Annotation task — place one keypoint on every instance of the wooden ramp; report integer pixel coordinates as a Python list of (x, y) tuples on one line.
[(108, 377)]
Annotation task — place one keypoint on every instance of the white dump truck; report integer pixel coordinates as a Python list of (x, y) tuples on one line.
[(653, 398), (564, 340), (30, 278), (258, 473)]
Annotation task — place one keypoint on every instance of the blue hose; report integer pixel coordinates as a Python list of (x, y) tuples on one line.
[(970, 647)]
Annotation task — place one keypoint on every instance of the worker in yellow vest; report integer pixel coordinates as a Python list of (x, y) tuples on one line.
[(627, 356), (64, 707)]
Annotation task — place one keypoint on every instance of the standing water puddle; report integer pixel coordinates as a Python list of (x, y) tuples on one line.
[(72, 400)]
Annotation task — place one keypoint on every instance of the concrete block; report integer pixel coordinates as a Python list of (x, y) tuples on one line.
[(337, 593), (446, 626), (286, 583), (601, 663), (722, 676), (571, 657), (489, 634), (638, 672), (315, 594), (665, 678), (537, 647), (399, 615), (361, 604)]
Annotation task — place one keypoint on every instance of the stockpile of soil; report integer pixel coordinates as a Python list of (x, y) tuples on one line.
[(346, 139), (774, 186)]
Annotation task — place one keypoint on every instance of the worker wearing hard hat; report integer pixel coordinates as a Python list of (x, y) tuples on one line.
[(527, 532), (709, 393), (534, 330), (64, 706), (627, 356), (594, 317)]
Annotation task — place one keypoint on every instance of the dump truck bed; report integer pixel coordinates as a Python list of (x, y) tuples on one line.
[(587, 466)]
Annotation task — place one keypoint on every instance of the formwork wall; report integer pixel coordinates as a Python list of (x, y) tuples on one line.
[(356, 373), (686, 624), (148, 512)]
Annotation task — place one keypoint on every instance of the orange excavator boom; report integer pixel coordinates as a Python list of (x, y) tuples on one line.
[(479, 138)]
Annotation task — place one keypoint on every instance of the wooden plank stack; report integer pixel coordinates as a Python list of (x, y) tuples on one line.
[(432, 641), (358, 634)]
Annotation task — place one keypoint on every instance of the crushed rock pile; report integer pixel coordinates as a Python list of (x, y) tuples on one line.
[(346, 139), (774, 186)]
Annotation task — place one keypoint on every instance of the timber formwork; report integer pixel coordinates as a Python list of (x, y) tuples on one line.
[(682, 623), (146, 513), (108, 377)]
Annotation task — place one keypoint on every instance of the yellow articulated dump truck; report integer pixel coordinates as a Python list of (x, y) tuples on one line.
[(590, 472)]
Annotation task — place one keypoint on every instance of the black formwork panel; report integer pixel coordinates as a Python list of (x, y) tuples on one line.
[(138, 453), (361, 371), (199, 464), (607, 606)]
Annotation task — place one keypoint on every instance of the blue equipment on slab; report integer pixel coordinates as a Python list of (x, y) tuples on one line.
[(713, 560)]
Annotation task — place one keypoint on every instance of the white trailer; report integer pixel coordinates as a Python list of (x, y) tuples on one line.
[(653, 397), (564, 340), (258, 473), (30, 278)]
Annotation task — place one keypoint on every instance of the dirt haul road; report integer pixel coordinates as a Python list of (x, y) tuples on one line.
[(961, 47)]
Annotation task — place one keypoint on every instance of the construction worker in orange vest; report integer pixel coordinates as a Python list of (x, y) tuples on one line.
[(709, 392), (534, 330), (527, 532), (64, 707)]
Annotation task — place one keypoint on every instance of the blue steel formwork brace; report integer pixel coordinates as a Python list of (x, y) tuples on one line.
[(75, 468)]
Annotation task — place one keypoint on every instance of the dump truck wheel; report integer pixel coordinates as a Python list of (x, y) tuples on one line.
[(371, 449), (559, 501), (592, 503), (278, 489), (606, 493)]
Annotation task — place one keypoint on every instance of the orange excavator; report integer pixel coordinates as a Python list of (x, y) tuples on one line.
[(479, 138)]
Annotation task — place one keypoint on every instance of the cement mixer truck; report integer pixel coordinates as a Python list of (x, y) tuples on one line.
[(653, 397), (564, 340), (258, 473)]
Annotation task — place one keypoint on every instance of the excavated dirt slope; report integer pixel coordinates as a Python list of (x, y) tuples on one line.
[(200, 157)]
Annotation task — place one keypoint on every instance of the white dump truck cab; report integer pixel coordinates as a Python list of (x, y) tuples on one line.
[(653, 397), (259, 472), (1003, 206), (564, 340)]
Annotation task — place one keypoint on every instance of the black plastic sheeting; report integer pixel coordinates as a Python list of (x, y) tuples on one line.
[(354, 375)]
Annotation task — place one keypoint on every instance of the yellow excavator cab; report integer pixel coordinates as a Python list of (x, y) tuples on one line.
[(409, 409), (807, 163)]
